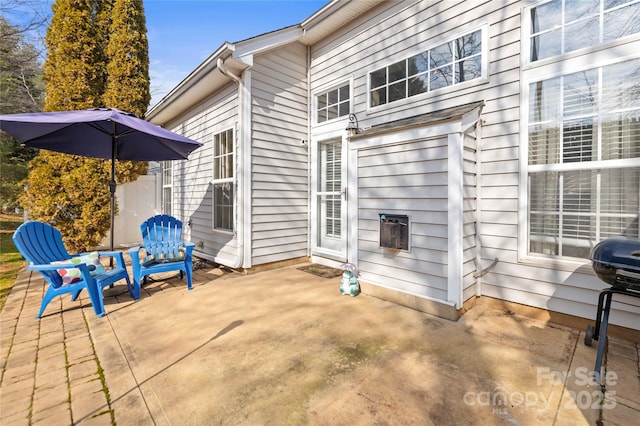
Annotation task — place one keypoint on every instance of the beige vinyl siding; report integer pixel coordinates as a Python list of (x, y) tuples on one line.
[(406, 29), (192, 178), (573, 290), (407, 179), (396, 30), (279, 188)]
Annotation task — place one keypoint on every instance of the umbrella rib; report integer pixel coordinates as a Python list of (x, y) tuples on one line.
[(112, 133), (26, 142)]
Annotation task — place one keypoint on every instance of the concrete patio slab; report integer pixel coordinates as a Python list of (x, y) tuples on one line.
[(284, 347)]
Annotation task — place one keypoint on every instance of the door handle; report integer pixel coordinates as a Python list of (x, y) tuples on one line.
[(344, 193)]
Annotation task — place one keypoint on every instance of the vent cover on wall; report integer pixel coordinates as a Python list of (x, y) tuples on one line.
[(394, 231)]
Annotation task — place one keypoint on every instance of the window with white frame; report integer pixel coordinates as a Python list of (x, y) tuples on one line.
[(445, 65), (333, 103), (563, 26), (223, 182), (583, 158), (167, 187)]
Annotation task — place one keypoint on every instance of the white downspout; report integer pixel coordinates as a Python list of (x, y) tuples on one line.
[(223, 69), (239, 262), (309, 153), (478, 207)]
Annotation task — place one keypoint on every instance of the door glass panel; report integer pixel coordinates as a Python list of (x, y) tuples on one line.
[(329, 195)]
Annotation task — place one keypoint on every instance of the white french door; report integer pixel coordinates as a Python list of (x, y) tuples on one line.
[(330, 197)]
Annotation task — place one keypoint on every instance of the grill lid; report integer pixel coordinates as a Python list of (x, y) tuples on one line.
[(616, 261)]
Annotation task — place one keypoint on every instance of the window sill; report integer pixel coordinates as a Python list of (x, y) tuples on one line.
[(561, 264)]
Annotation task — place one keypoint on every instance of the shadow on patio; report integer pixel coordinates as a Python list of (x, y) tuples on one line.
[(284, 347)]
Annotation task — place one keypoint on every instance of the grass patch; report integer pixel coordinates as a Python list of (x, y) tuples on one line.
[(11, 260)]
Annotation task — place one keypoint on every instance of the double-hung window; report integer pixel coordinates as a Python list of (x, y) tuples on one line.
[(583, 134), (223, 183), (167, 187)]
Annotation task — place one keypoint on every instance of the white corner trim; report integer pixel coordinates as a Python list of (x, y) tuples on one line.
[(455, 217)]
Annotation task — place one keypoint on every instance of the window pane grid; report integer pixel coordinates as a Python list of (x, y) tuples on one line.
[(571, 210), (445, 65), (223, 206), (223, 195), (591, 116), (167, 182), (333, 104), (167, 173), (562, 26), (166, 201), (329, 190)]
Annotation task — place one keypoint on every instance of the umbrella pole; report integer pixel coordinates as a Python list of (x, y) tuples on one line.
[(112, 189)]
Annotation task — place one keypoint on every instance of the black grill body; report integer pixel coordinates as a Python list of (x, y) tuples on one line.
[(616, 261)]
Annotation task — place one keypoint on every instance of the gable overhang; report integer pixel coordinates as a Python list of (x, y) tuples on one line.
[(196, 87), (332, 17), (208, 78)]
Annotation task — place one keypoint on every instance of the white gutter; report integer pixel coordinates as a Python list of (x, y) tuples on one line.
[(478, 213), (244, 158)]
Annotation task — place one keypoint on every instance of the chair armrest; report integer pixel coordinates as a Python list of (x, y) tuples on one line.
[(188, 246), (84, 269), (134, 251), (118, 256), (110, 253)]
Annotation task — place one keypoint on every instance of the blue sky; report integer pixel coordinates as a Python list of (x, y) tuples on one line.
[(182, 33)]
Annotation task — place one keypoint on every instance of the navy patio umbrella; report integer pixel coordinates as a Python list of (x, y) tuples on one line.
[(99, 133)]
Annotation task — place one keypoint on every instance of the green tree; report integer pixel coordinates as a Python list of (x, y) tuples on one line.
[(127, 84), (21, 90), (74, 70), (72, 191)]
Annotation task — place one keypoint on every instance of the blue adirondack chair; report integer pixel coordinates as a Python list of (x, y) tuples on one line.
[(165, 250), (41, 245)]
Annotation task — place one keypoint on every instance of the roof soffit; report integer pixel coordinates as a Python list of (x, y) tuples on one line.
[(332, 17)]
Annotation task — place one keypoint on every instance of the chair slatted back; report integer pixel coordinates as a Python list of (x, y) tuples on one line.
[(162, 235), (40, 244)]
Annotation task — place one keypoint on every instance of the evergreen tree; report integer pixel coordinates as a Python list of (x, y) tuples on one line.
[(74, 70), (72, 191), (127, 85), (21, 90)]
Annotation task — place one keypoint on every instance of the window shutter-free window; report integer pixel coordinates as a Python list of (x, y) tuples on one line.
[(584, 159), (444, 65), (223, 180)]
